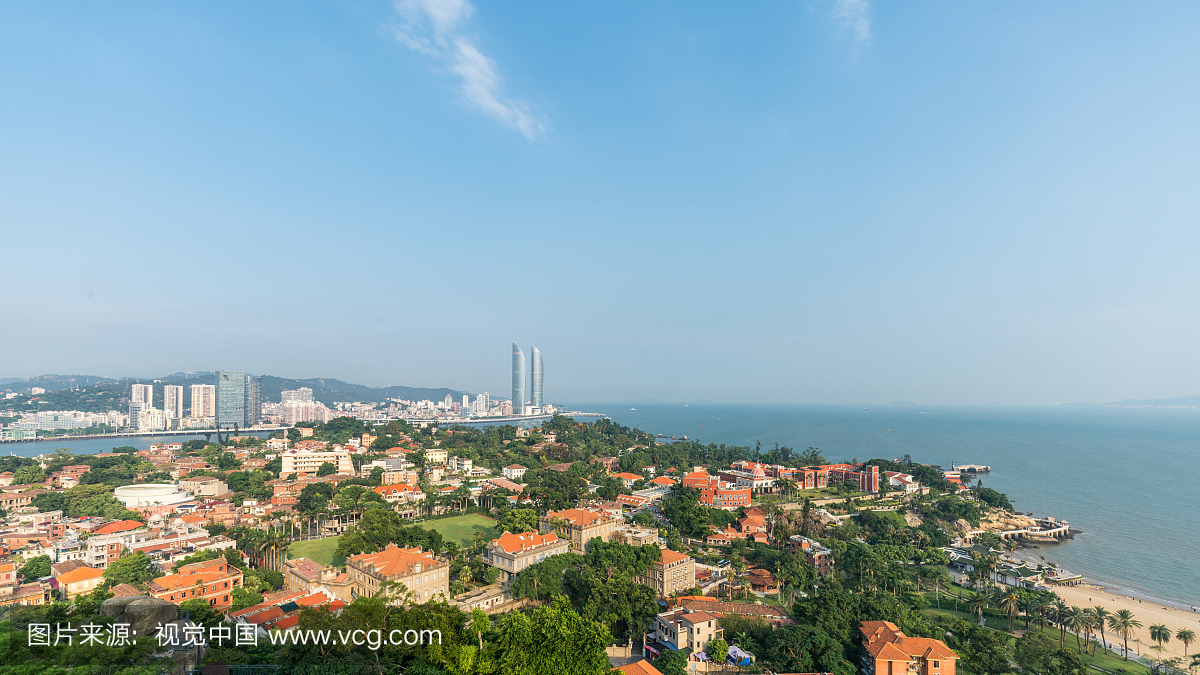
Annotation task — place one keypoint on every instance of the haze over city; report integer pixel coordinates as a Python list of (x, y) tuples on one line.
[(796, 202)]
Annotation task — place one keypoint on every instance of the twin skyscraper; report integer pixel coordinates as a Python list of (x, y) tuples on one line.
[(518, 380)]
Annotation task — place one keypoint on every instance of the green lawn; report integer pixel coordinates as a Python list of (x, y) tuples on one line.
[(317, 550), (460, 528)]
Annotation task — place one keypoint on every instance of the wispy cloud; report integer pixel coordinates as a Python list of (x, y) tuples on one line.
[(438, 29), (855, 16)]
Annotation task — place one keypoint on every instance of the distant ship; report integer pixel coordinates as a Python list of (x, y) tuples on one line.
[(633, 408)]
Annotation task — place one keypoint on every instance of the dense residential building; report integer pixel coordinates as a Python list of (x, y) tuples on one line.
[(204, 401), (213, 580), (890, 652), (674, 573), (422, 574), (518, 380), (579, 526), (510, 553)]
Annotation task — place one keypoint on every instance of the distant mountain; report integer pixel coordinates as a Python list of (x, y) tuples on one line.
[(108, 394), (1177, 402), (56, 382), (328, 390)]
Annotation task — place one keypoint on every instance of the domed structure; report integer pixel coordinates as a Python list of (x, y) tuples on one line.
[(758, 474), (151, 494)]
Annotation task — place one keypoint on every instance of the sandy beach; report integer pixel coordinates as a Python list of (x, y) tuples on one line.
[(1087, 595)]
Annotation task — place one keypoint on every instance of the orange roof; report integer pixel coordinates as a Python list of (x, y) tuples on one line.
[(286, 622), (173, 582), (193, 518), (384, 489), (627, 476), (886, 642), (394, 560), (669, 556), (663, 480), (578, 517), (119, 526), (79, 574), (511, 543), (263, 617), (698, 617), (642, 667)]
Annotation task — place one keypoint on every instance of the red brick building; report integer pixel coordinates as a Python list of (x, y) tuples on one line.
[(213, 580)]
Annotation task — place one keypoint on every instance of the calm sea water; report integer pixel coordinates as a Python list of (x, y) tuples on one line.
[(1128, 478)]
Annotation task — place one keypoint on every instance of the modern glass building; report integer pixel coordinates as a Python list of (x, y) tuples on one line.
[(253, 401), (231, 398), (537, 377), (518, 381)]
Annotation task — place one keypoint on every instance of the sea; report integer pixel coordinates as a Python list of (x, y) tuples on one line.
[(1127, 478)]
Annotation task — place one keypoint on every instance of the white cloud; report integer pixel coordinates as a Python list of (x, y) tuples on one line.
[(855, 15), (437, 29)]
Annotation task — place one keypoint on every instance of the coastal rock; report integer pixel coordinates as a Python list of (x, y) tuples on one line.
[(962, 525), (142, 612), (912, 519)]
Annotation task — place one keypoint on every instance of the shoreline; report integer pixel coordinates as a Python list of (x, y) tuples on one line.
[(1116, 595)]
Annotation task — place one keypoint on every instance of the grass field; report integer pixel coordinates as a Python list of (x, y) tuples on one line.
[(317, 550), (460, 528)]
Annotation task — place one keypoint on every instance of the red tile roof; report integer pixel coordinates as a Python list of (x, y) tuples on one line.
[(511, 543), (119, 526)]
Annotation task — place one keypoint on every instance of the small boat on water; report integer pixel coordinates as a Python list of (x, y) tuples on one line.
[(633, 408)]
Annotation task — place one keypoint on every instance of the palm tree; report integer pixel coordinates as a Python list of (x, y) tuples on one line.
[(977, 605), (1101, 615), (1187, 636), (1075, 621), (1122, 623), (1008, 603), (1160, 634), (1088, 624), (1058, 614)]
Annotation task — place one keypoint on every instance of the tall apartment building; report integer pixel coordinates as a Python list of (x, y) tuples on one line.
[(231, 398), (172, 401), (204, 400), (253, 401), (143, 393), (135, 413)]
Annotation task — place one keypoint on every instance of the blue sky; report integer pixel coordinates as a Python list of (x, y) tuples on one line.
[(828, 201)]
